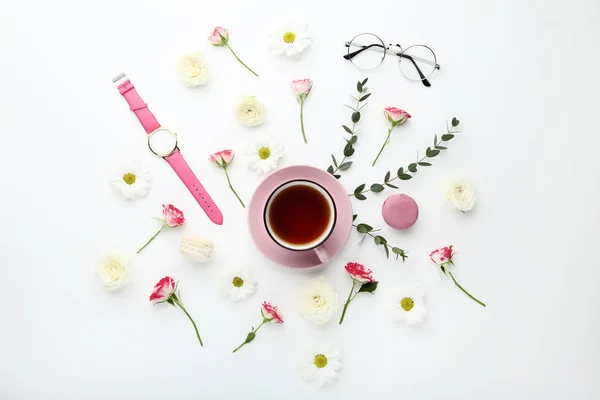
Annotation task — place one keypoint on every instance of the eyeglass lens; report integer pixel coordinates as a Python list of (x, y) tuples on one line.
[(366, 51), (417, 62)]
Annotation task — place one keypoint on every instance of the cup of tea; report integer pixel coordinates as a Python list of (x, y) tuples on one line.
[(300, 215)]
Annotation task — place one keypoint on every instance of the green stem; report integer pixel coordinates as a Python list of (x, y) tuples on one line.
[(232, 189), (464, 291), (302, 118), (241, 62), (178, 302), (153, 237), (253, 331), (387, 140), (348, 301), (351, 136)]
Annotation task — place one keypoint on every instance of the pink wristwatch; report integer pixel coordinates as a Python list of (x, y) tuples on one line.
[(163, 143)]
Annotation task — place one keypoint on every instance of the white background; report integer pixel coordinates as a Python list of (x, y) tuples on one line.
[(522, 76)]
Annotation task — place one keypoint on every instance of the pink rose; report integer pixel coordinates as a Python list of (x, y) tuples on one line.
[(219, 36), (301, 87), (359, 272), (163, 290), (222, 158), (172, 216), (271, 312), (395, 115), (442, 255)]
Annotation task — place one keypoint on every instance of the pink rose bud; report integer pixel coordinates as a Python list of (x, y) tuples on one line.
[(442, 255), (222, 158), (359, 272), (271, 312), (301, 86), (163, 290), (219, 36), (172, 216), (395, 115)]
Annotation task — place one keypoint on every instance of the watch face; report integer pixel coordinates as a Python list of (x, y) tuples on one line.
[(162, 142)]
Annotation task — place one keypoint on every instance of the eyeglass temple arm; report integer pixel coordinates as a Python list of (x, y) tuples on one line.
[(379, 49)]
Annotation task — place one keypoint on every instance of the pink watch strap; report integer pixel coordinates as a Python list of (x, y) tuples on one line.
[(181, 168), (184, 172)]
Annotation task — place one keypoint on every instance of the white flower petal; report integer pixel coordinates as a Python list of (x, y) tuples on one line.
[(139, 188), (309, 371), (228, 289), (417, 313), (114, 270)]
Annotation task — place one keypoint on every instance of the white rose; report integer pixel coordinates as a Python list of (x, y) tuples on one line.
[(114, 270), (192, 70), (249, 111), (317, 300), (460, 194)]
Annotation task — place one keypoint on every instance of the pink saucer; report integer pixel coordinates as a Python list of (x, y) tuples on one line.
[(299, 259)]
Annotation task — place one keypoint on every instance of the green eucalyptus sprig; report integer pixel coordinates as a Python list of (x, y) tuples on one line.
[(367, 230), (404, 174), (348, 151)]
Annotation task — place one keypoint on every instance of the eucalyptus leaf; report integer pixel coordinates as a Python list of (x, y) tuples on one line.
[(435, 142), (405, 177), (400, 171), (432, 153), (387, 252), (335, 164), (442, 148), (376, 187), (397, 250), (359, 189), (365, 81), (364, 228), (392, 186), (348, 151), (346, 165), (424, 164), (366, 96), (354, 217), (387, 176), (446, 137), (455, 122), (330, 169), (368, 287), (347, 129), (377, 240), (353, 139), (359, 86), (359, 196), (355, 117), (412, 167), (337, 176)]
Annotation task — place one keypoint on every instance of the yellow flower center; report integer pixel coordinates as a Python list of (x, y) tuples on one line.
[(289, 37), (129, 178), (264, 153), (407, 304), (320, 360), (238, 282)]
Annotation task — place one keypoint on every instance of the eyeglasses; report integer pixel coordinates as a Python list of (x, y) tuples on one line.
[(367, 51)]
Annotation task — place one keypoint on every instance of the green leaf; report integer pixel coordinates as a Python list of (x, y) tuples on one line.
[(424, 164), (359, 196), (345, 165), (354, 217), (364, 82), (397, 250), (366, 96), (250, 337), (359, 86), (364, 228), (376, 187), (435, 140), (335, 164), (446, 137), (400, 171), (337, 176), (347, 129), (392, 186), (405, 177), (348, 150), (442, 148), (432, 153), (387, 176), (355, 117), (353, 139), (412, 167), (359, 189), (455, 122), (387, 252), (330, 169), (377, 240), (368, 287)]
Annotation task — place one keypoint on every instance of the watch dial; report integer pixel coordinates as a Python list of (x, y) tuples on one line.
[(162, 142)]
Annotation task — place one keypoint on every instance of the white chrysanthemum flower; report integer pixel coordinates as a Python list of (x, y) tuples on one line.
[(237, 283), (317, 300), (250, 112), (114, 270), (264, 155), (408, 304), (319, 362), (290, 38), (460, 194), (192, 70), (131, 179)]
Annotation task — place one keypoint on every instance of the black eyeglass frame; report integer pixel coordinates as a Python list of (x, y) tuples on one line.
[(387, 50)]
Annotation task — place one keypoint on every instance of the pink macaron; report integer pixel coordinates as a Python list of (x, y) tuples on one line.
[(400, 211)]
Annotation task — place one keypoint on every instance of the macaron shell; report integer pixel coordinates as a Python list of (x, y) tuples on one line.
[(400, 211)]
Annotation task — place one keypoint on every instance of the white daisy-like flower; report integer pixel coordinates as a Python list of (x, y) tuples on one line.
[(131, 179), (264, 155), (237, 283), (290, 38), (320, 362), (408, 304)]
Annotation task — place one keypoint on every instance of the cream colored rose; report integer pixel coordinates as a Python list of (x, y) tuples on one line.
[(250, 112), (192, 70), (460, 194), (114, 270), (317, 300)]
